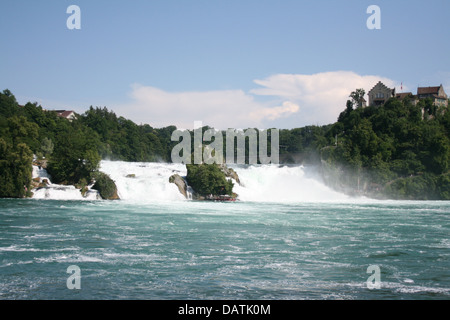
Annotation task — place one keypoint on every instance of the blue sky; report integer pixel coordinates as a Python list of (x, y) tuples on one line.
[(228, 63)]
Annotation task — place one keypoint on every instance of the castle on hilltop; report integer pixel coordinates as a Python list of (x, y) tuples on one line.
[(380, 93)]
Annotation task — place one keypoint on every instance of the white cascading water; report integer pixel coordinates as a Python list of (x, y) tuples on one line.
[(144, 181), (56, 191), (270, 183), (149, 182)]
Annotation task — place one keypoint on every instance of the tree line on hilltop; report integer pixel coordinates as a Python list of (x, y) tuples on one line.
[(398, 149)]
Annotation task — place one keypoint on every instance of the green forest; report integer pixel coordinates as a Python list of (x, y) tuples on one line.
[(73, 149), (398, 150)]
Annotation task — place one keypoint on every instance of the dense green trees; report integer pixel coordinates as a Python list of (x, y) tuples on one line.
[(17, 136), (303, 145), (122, 139), (15, 169), (393, 150), (73, 148), (75, 155), (70, 147)]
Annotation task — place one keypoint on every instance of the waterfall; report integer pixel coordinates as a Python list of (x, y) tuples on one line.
[(266, 183), (58, 192), (144, 181), (149, 182), (273, 183)]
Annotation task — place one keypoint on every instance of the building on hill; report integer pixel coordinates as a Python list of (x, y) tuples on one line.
[(68, 114), (412, 98), (379, 94), (437, 94)]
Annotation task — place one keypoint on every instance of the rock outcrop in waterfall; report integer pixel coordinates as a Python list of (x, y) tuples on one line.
[(207, 182)]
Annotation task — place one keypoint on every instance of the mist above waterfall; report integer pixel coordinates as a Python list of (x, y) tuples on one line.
[(273, 183)]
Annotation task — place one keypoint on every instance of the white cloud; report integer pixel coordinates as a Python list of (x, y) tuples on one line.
[(322, 96), (282, 111), (220, 109), (297, 100)]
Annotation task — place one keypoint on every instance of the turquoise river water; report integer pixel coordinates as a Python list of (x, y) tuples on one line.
[(208, 250)]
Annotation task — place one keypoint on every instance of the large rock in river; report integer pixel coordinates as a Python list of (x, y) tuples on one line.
[(230, 173), (105, 186), (180, 183)]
